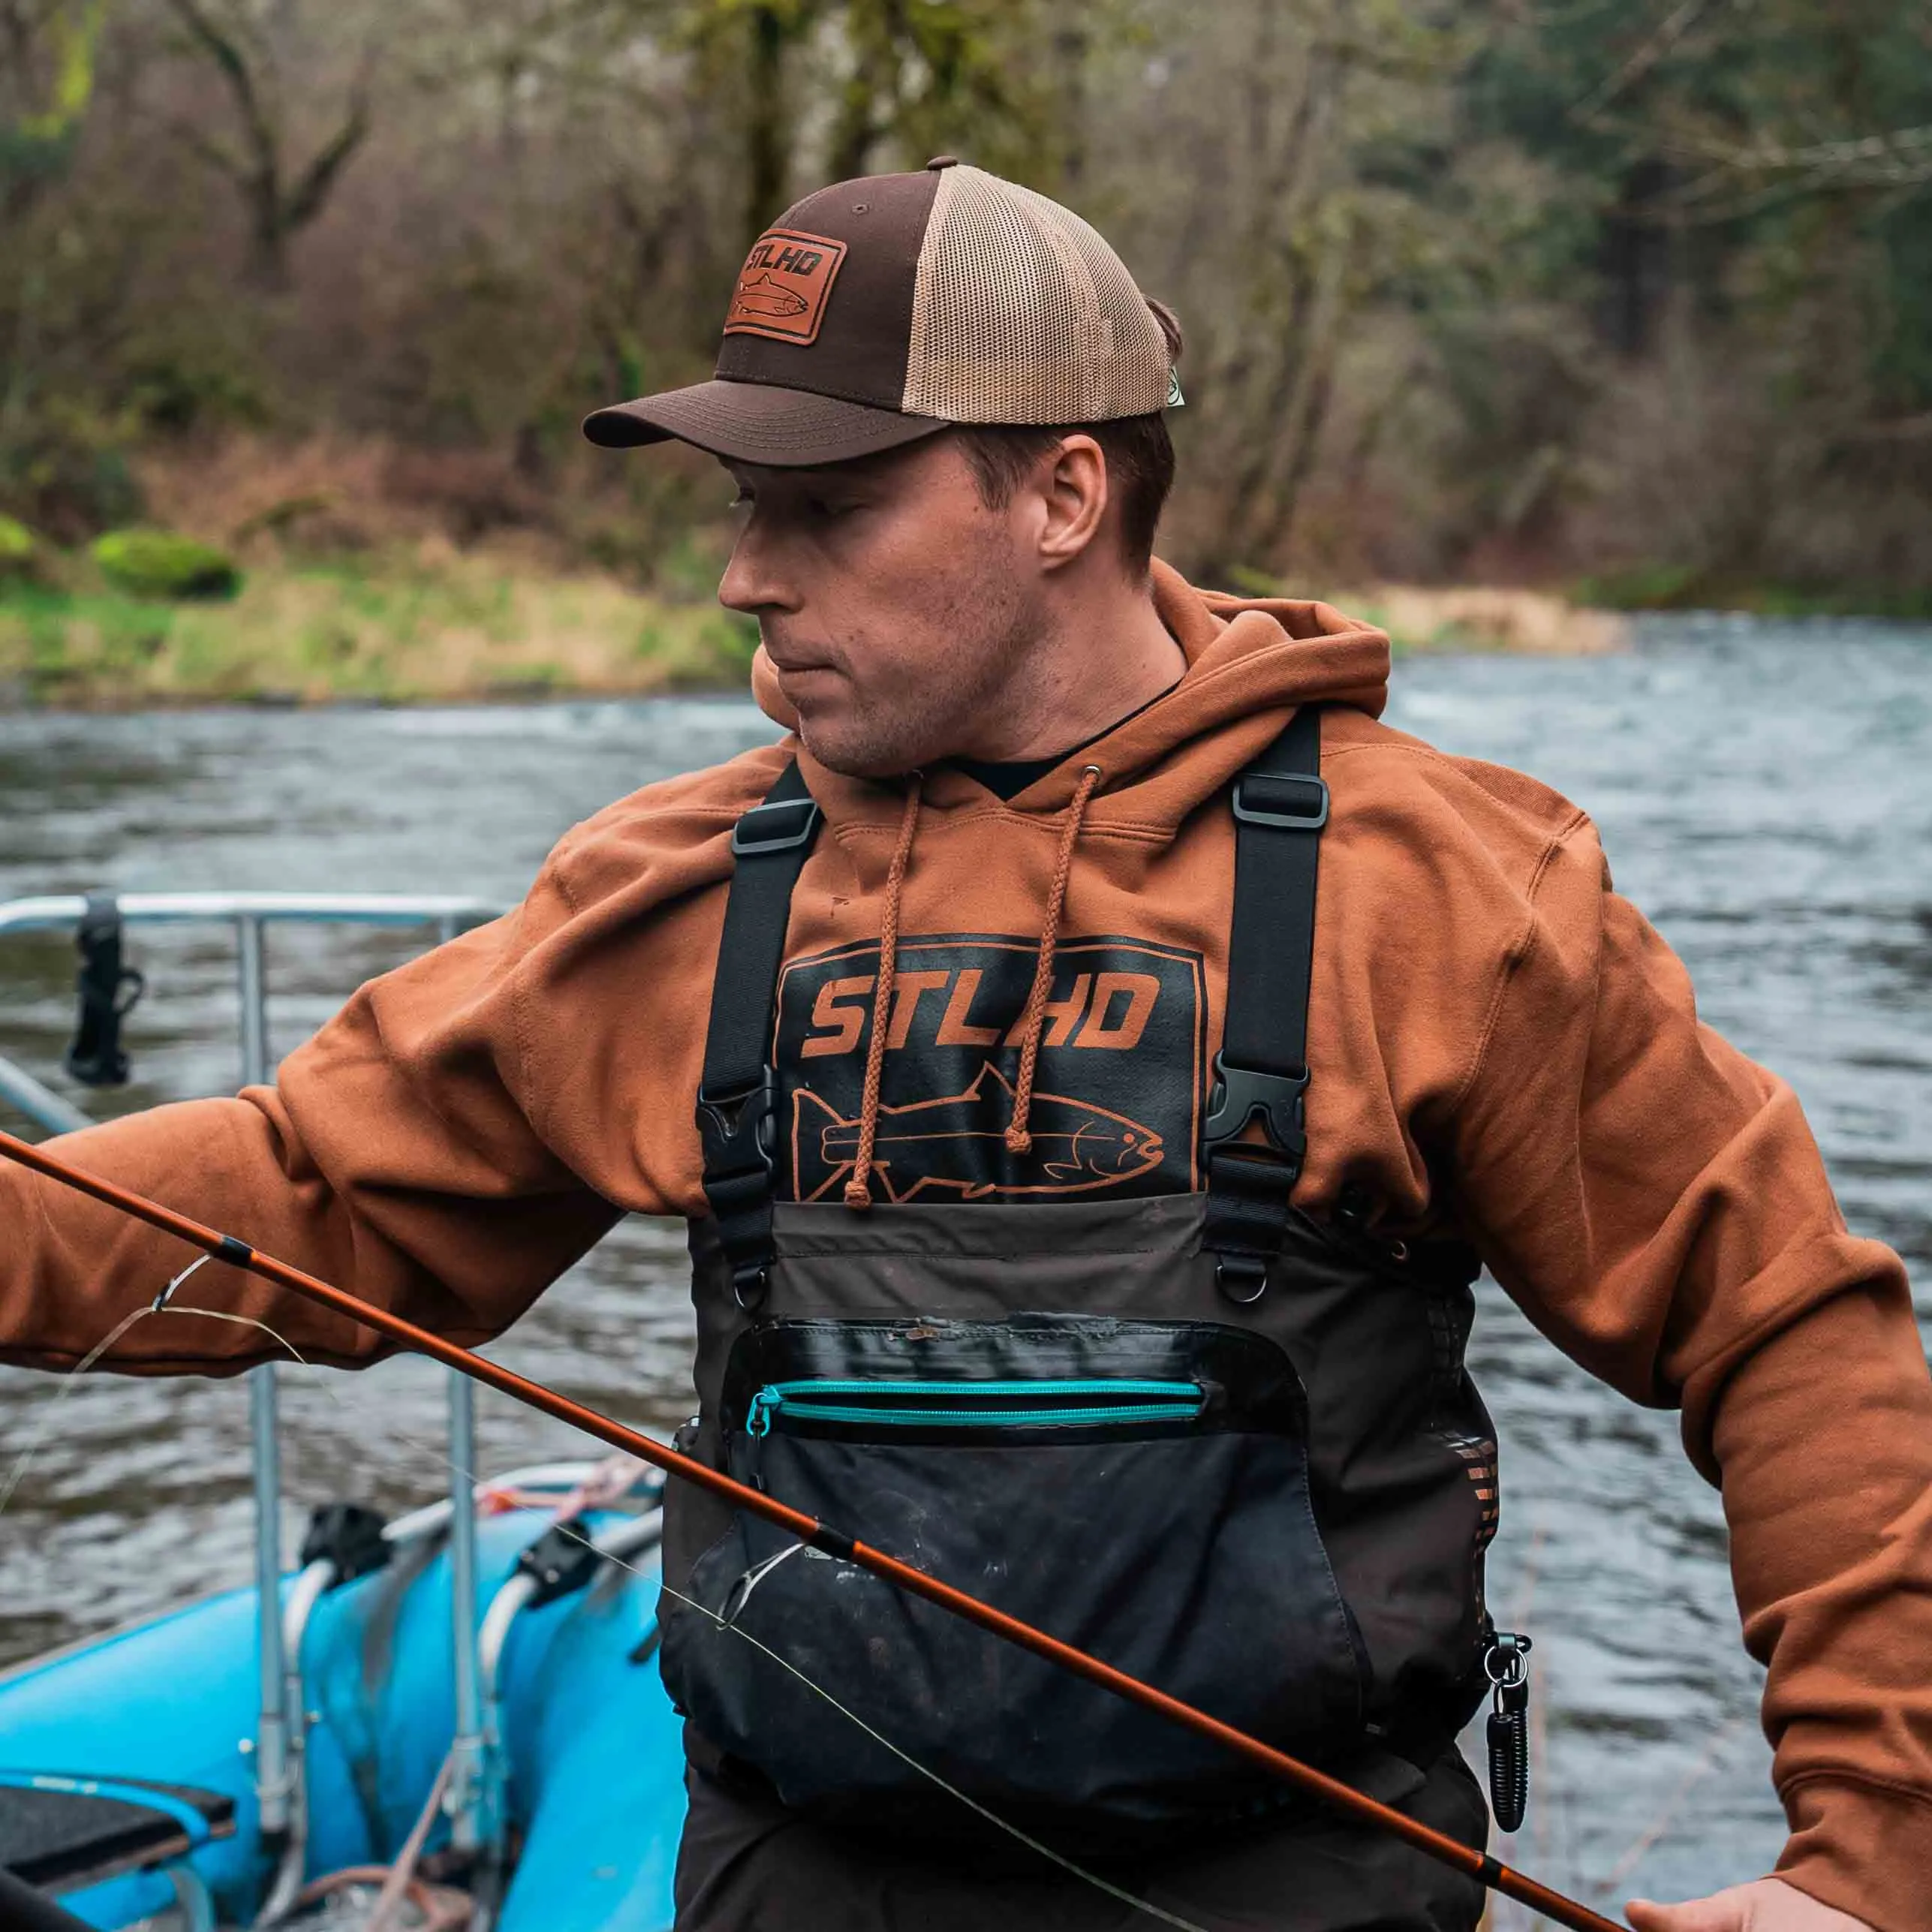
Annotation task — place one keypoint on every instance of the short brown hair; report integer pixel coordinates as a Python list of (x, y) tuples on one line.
[(1139, 451), (1140, 469)]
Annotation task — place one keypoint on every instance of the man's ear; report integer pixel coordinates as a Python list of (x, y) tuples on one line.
[(1072, 484)]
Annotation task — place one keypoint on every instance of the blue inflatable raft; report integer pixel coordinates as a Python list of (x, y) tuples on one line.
[(516, 1769), (127, 1787)]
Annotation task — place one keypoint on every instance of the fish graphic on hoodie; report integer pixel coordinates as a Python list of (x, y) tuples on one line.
[(1115, 1104)]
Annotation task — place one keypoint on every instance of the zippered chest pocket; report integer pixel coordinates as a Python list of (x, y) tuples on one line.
[(1139, 1489), (974, 1409)]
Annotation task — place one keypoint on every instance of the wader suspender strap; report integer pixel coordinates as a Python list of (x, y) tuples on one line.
[(737, 1101), (1261, 1074)]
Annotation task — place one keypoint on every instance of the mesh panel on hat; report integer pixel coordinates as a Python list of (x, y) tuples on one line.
[(1022, 313)]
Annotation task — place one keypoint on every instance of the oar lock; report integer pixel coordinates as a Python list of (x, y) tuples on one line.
[(107, 988)]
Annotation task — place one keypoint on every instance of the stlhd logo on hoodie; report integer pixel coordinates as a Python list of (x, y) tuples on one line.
[(1116, 1092)]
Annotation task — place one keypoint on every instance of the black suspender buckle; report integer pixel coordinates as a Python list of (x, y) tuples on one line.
[(778, 824), (1255, 1140), (738, 1091), (1241, 1096), (1289, 801), (737, 1129), (1249, 1182)]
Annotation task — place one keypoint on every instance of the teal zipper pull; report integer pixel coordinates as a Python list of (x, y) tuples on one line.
[(757, 1427)]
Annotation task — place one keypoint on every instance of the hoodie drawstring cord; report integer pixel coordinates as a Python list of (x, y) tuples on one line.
[(1018, 1140), (859, 1188)]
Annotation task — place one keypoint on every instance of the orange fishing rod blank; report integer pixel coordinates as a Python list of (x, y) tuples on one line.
[(1452, 1851)]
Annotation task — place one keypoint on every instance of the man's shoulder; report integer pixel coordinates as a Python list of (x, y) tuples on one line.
[(1411, 789), (678, 828)]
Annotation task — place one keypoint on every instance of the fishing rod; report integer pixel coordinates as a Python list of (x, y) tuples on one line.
[(225, 1247)]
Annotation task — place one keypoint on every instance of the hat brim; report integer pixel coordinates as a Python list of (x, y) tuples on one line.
[(758, 422)]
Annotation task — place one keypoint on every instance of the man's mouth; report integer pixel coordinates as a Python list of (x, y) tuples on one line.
[(793, 665)]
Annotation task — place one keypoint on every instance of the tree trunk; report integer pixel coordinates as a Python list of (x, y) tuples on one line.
[(1071, 44), (765, 125)]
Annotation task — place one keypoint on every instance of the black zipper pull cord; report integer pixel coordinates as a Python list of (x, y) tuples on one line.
[(1506, 1664)]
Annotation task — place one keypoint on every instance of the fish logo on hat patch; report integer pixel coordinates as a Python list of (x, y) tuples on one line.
[(783, 286)]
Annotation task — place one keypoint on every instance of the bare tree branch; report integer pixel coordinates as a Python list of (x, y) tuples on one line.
[(1657, 47), (305, 201), (278, 209)]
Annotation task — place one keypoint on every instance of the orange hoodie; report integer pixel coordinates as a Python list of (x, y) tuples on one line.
[(1498, 1043)]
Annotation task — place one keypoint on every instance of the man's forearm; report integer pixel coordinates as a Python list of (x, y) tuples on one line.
[(1824, 1435), (74, 1268)]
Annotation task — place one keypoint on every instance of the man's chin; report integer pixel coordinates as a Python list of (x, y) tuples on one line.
[(851, 753)]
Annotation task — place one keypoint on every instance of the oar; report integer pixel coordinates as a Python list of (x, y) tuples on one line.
[(1498, 1876)]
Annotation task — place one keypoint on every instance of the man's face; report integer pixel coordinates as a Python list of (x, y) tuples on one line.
[(894, 604)]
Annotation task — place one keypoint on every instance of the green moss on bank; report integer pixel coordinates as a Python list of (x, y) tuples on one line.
[(1677, 587), (407, 629)]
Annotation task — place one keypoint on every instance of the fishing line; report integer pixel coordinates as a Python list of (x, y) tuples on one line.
[(565, 1528), (973, 1805), (167, 1293), (38, 1441), (247, 1321), (160, 1305), (412, 1336)]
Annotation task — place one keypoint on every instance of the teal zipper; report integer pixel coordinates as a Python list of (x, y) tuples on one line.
[(964, 1403)]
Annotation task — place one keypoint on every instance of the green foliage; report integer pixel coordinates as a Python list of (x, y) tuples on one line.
[(161, 565), (405, 627), (53, 50), (1674, 587), (1646, 587), (72, 34), (172, 391), (66, 474), (1631, 289), (19, 551)]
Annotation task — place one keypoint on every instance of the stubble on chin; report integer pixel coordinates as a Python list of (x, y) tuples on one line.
[(918, 719), (879, 739)]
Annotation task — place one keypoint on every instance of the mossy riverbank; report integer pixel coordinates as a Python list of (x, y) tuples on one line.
[(435, 624), (422, 628), (415, 628)]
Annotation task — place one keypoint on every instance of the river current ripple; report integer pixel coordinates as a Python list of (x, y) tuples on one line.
[(1764, 793)]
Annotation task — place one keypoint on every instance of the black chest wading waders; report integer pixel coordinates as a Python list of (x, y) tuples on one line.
[(1226, 1449)]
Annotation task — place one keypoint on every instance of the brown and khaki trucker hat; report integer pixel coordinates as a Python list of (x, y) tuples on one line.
[(880, 310)]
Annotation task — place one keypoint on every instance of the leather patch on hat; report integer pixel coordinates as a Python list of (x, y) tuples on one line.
[(783, 286)]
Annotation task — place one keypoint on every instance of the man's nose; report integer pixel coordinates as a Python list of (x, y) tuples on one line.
[(754, 579)]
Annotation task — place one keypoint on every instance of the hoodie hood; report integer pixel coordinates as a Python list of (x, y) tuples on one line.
[(1250, 662)]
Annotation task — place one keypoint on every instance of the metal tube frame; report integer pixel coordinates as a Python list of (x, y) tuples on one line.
[(60, 911), (278, 1744), (42, 1104), (470, 1826), (272, 1751), (463, 1798)]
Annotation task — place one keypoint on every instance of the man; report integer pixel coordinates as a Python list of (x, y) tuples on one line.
[(970, 1025)]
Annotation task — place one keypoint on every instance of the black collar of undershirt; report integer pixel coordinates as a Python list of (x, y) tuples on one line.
[(1007, 777)]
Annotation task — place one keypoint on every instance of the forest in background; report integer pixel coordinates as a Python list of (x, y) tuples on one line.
[(1629, 297)]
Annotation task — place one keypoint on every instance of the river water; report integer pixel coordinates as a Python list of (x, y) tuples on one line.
[(1765, 794)]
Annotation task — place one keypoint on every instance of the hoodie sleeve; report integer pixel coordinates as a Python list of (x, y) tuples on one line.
[(462, 1132), (1656, 1203), (395, 1155)]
